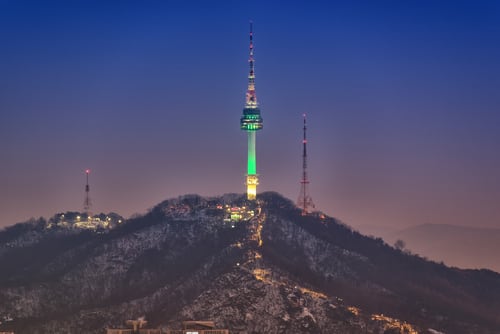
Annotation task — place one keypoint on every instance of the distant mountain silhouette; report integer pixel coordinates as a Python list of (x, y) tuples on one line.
[(460, 246), (276, 272)]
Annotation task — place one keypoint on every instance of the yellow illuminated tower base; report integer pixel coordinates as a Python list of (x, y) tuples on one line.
[(251, 122), (252, 177), (252, 182)]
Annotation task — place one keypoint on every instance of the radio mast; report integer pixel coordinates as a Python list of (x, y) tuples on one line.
[(305, 201)]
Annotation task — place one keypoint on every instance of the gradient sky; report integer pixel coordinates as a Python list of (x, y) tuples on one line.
[(402, 100)]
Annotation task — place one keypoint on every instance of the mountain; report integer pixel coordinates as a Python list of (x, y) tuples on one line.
[(460, 246), (250, 267)]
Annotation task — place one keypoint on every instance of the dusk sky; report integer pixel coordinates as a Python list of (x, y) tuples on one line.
[(402, 98)]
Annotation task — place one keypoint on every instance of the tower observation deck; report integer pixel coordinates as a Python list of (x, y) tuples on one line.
[(251, 122)]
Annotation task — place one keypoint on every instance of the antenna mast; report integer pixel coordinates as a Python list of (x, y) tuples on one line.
[(87, 203), (305, 201)]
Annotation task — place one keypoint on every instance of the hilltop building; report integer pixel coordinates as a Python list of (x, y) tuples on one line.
[(77, 220), (188, 327), (198, 327)]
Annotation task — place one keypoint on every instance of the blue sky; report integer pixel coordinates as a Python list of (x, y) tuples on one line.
[(401, 98)]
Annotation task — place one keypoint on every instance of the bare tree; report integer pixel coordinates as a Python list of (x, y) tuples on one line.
[(400, 245)]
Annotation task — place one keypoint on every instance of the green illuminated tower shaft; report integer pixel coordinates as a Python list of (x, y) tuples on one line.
[(252, 160), (251, 121)]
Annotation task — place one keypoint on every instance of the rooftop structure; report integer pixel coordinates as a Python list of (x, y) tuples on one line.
[(188, 327), (198, 327), (136, 328), (131, 331)]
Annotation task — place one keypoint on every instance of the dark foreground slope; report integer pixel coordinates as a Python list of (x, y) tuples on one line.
[(280, 272)]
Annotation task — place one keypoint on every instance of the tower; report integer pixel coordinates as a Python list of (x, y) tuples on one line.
[(251, 122), (87, 203), (305, 201)]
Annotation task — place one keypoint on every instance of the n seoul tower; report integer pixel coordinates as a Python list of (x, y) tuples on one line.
[(251, 122)]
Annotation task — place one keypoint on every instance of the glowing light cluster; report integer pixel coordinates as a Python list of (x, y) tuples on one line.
[(394, 324)]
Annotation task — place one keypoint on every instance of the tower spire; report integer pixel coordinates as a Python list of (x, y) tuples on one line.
[(251, 97), (305, 201), (251, 121), (87, 203)]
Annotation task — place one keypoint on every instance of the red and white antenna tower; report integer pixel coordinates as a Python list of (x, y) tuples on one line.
[(305, 201), (87, 203)]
